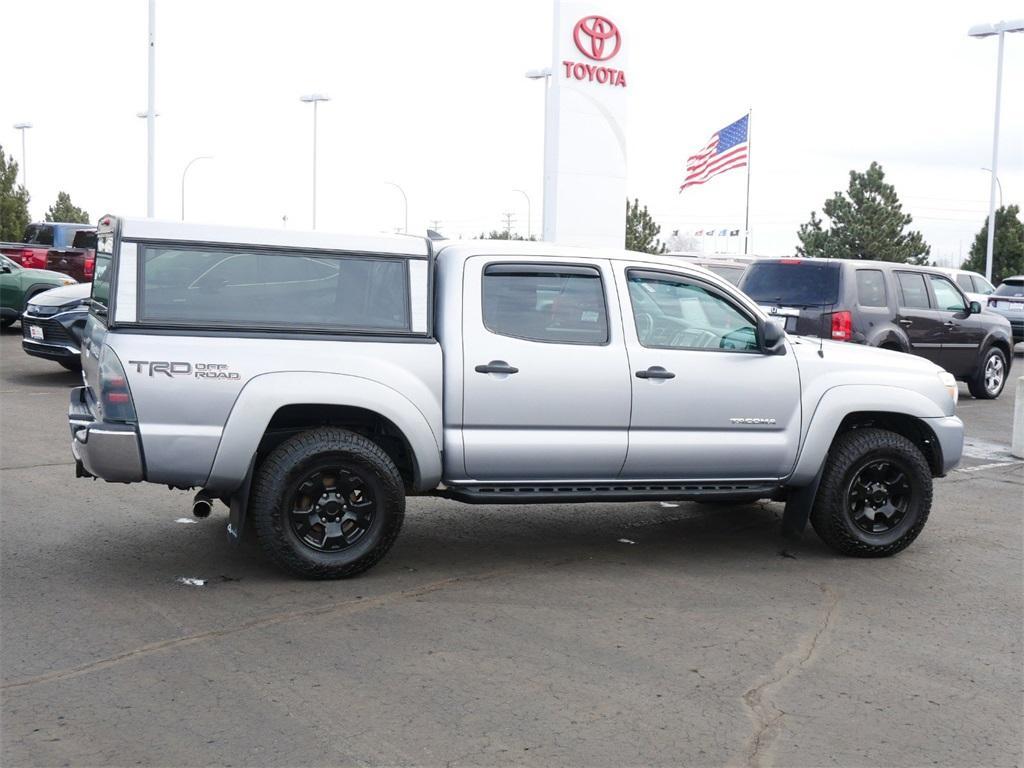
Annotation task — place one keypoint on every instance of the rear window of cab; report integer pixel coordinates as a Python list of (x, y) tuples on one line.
[(792, 282)]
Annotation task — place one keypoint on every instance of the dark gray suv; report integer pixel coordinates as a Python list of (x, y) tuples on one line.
[(892, 306)]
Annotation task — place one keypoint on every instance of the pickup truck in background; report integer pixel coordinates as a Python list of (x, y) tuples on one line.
[(79, 260), (312, 381), (39, 239)]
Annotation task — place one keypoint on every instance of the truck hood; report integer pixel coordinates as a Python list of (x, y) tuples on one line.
[(66, 294), (872, 360)]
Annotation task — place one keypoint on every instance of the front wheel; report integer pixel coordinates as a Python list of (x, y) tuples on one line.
[(875, 494), (327, 504), (988, 382)]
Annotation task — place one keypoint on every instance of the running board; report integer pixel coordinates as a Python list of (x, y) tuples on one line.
[(561, 493)]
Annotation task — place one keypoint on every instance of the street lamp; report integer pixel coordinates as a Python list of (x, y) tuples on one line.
[(997, 184), (189, 165), (529, 231), (988, 30), (543, 74), (405, 200), (24, 167), (151, 116), (314, 99)]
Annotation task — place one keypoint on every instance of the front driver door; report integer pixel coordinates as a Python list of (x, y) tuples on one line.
[(708, 404), (918, 318)]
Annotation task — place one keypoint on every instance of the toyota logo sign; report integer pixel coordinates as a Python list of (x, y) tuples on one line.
[(597, 37)]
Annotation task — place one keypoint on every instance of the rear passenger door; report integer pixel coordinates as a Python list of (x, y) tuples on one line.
[(545, 375), (919, 320)]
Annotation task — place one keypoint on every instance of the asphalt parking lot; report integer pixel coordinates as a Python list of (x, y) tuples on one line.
[(590, 635)]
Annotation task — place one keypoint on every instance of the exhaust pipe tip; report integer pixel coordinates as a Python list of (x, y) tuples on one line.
[(202, 506)]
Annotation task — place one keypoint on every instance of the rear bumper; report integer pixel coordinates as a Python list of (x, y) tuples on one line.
[(949, 432), (103, 449)]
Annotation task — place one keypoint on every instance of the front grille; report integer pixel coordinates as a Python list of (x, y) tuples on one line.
[(53, 332)]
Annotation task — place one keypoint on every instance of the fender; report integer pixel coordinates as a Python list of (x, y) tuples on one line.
[(839, 402), (263, 395)]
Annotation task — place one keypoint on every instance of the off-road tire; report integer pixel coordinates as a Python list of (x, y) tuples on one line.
[(831, 516), (271, 493), (976, 384)]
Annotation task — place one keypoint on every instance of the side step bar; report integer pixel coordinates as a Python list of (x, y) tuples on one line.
[(560, 493)]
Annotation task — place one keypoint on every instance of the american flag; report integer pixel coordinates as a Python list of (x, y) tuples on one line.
[(727, 149)]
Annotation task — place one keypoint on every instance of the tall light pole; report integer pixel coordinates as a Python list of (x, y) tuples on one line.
[(189, 165), (544, 75), (988, 30), (405, 201), (998, 184), (151, 116), (24, 166), (529, 230), (314, 99)]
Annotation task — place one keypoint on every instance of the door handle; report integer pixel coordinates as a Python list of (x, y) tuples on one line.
[(951, 324), (904, 322), (496, 366), (655, 372)]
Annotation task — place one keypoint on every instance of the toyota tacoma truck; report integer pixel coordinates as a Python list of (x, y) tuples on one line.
[(312, 382)]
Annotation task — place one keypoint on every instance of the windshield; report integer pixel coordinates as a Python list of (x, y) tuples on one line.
[(792, 282), (1011, 288)]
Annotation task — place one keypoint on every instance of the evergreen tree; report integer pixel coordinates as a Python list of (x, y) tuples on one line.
[(641, 231), (66, 211), (867, 222), (14, 216), (1007, 247)]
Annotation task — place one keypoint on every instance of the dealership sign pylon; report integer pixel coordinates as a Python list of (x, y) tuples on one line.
[(585, 127)]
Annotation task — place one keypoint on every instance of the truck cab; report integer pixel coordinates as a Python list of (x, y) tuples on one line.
[(312, 381)]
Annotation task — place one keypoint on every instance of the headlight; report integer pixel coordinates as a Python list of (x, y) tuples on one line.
[(949, 382)]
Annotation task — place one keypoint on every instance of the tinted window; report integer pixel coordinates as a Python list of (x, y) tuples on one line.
[(964, 281), (912, 287), (871, 288), (560, 304), (946, 295), (981, 285), (673, 313), (39, 234), (101, 274), (273, 289), (1010, 288), (792, 282)]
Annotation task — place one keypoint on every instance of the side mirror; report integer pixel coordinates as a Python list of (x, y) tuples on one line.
[(5, 269), (975, 308), (771, 335)]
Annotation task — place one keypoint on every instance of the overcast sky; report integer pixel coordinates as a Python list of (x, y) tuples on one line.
[(431, 95)]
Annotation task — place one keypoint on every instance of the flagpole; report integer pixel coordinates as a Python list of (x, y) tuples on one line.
[(750, 151)]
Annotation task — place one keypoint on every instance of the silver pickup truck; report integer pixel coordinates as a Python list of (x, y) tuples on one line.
[(312, 381)]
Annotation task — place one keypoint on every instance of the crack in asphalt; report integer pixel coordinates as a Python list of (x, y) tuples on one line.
[(765, 714), (39, 466), (341, 608)]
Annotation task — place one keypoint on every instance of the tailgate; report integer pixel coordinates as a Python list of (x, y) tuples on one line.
[(69, 262)]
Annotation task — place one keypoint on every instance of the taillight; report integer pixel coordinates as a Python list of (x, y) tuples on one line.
[(88, 265), (115, 397), (842, 326)]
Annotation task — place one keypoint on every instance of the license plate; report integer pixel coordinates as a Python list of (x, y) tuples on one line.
[(1016, 307), (35, 332), (791, 324)]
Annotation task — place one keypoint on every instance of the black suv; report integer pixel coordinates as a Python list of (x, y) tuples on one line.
[(892, 306)]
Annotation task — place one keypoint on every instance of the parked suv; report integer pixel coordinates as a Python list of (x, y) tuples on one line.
[(312, 381), (1008, 301), (893, 306)]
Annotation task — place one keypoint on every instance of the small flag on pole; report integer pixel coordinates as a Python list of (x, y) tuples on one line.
[(699, 233), (726, 150), (723, 232), (734, 233)]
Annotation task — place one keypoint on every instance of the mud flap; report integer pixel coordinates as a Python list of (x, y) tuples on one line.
[(798, 507), (239, 506)]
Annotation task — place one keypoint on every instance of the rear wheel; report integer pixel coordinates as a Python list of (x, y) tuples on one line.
[(990, 378), (875, 494), (327, 504)]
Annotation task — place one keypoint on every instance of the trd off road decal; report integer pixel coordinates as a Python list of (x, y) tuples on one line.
[(192, 370)]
